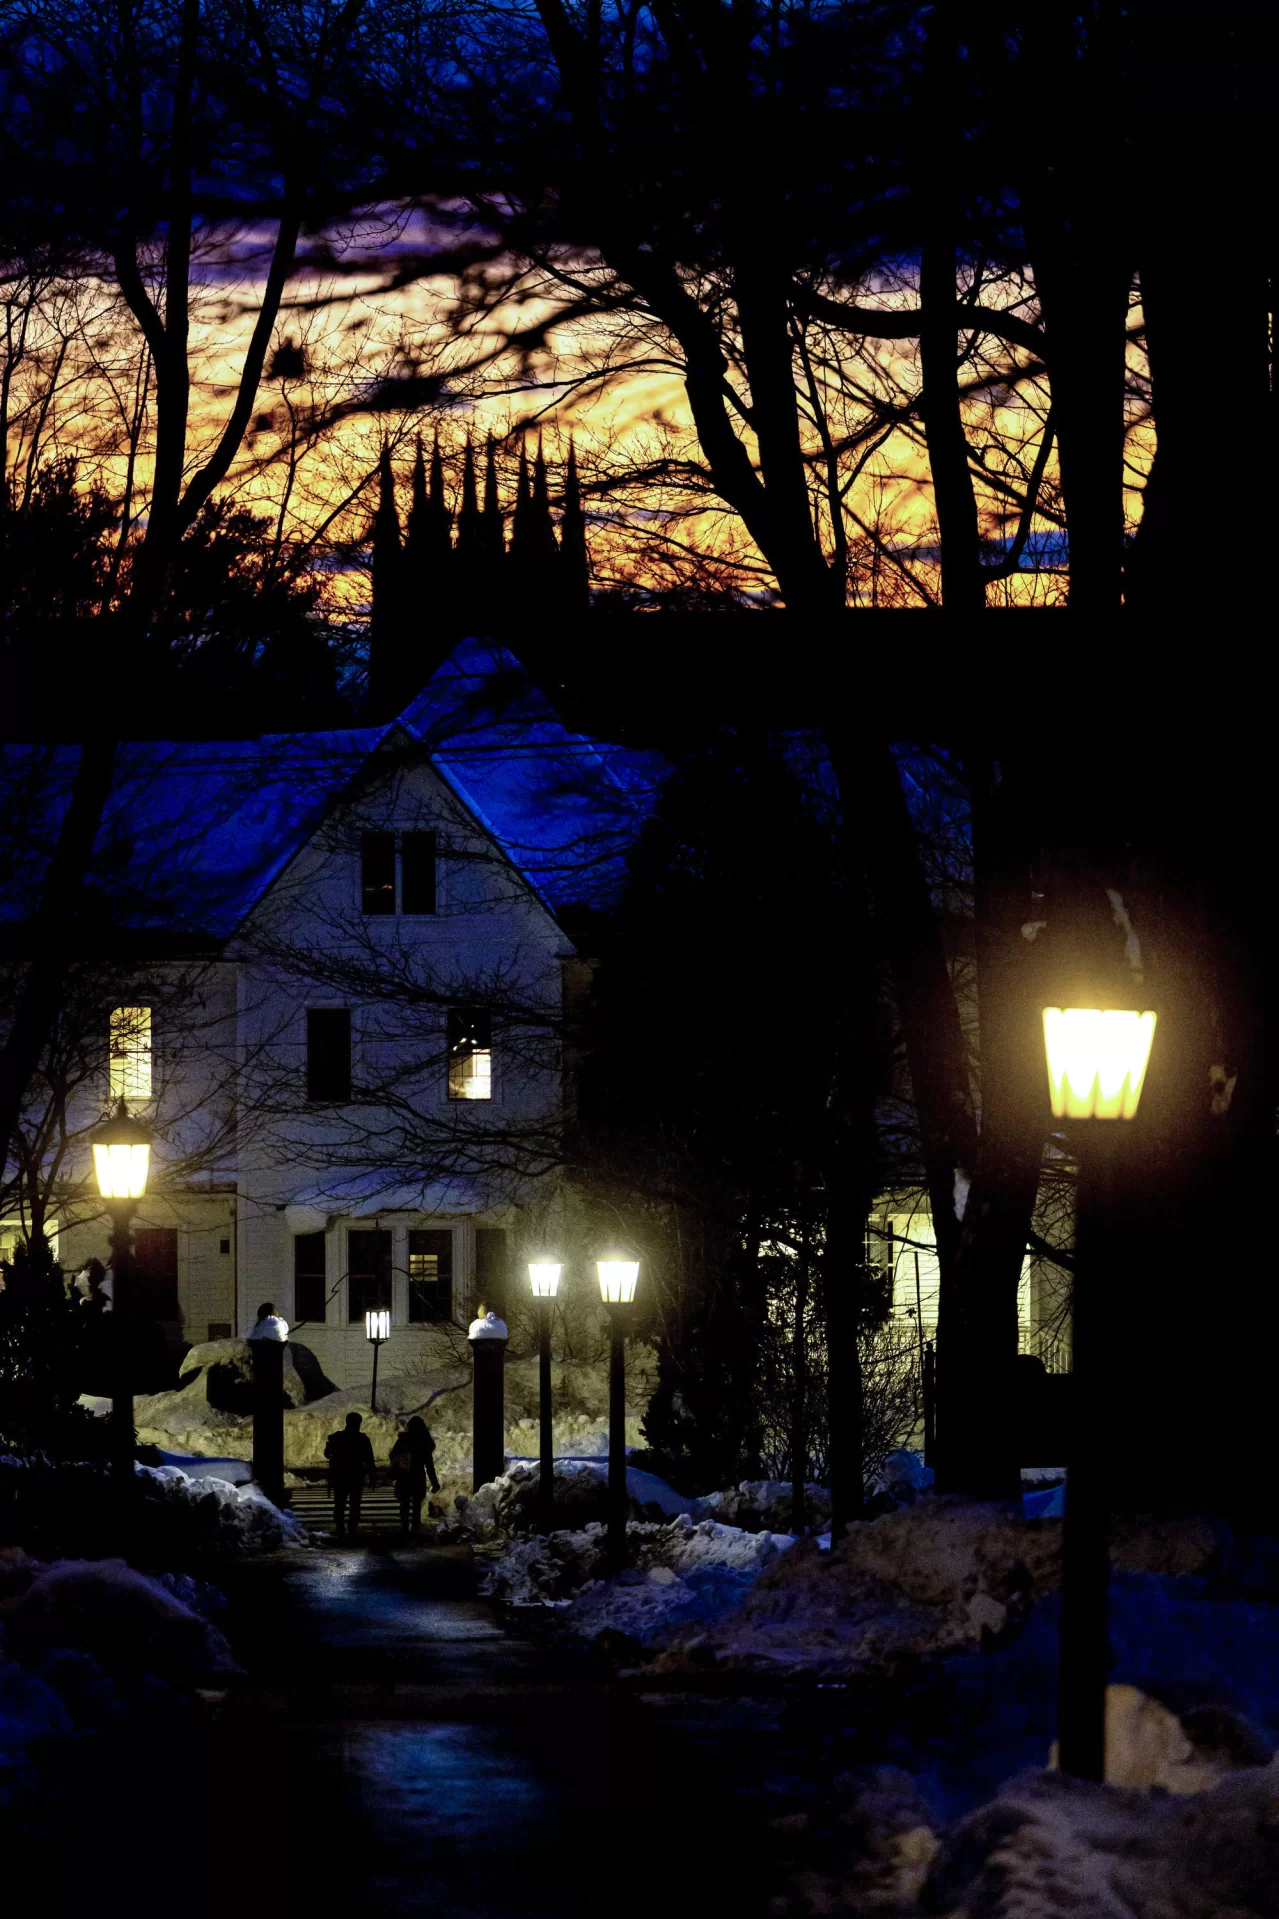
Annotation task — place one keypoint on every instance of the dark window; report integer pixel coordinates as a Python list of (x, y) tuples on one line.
[(310, 1290), (224, 1245), (328, 1053), (369, 1288), (377, 872), (153, 1282), (492, 1268), (470, 1049), (430, 1276), (417, 873), (219, 1329)]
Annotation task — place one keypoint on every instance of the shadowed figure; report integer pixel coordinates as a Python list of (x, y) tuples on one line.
[(412, 1463), (351, 1464)]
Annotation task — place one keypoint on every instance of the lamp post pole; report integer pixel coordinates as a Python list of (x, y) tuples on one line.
[(1085, 1546), (1097, 1062), (618, 1279), (377, 1330), (544, 1278), (122, 1434), (121, 1162)]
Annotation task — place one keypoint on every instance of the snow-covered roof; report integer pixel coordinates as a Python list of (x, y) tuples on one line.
[(196, 832), (368, 1192)]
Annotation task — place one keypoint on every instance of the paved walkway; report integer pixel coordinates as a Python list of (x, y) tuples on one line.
[(397, 1752)]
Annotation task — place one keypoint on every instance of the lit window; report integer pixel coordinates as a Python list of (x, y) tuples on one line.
[(470, 1049), (130, 1052)]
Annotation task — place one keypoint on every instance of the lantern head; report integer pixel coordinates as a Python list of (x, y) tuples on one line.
[(1096, 1061), (121, 1156), (544, 1278), (618, 1280), (377, 1326)]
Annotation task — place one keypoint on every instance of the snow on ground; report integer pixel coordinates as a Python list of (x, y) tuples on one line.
[(64, 1510), (209, 1414), (235, 1517), (85, 1642)]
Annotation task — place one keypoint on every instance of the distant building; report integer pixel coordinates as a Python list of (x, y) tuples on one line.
[(368, 1089)]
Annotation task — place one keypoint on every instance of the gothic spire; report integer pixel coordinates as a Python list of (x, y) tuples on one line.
[(575, 565), (386, 611)]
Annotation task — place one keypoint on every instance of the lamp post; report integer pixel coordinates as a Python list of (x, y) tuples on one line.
[(377, 1330), (1097, 1062), (544, 1278), (121, 1163), (618, 1280)]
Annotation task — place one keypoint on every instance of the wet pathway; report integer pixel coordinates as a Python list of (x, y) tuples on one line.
[(396, 1751)]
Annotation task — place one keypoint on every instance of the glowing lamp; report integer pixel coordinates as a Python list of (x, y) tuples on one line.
[(121, 1156), (544, 1278), (618, 1279), (377, 1326), (1096, 1061)]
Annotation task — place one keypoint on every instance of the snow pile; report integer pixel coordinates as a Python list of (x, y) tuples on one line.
[(1047, 1846), (922, 1582), (764, 1505), (511, 1503), (210, 1412), (86, 1642), (680, 1573), (230, 1518), (66, 1510)]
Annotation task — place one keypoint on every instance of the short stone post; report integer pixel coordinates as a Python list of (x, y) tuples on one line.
[(488, 1335), (266, 1347)]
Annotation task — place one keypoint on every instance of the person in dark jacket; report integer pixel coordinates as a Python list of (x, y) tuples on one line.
[(351, 1465), (413, 1463)]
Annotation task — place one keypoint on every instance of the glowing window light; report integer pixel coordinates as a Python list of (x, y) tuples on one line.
[(1096, 1061), (618, 1279), (130, 1052), (544, 1277), (377, 1325)]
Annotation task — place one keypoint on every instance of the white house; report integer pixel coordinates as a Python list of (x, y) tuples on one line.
[(354, 1067)]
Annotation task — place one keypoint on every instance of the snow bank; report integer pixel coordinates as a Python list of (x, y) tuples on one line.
[(1047, 1846), (236, 1518), (86, 1642), (923, 1582), (64, 1510), (210, 1414), (679, 1573)]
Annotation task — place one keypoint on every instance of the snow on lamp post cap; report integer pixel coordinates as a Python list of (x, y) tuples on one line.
[(544, 1278), (121, 1156), (377, 1326), (618, 1280), (1096, 1061)]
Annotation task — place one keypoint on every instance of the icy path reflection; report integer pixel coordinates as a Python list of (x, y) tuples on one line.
[(430, 1762)]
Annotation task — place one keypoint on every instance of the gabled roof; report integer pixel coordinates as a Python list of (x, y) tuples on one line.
[(196, 832)]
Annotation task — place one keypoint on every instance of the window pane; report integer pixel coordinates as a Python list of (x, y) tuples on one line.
[(470, 1053), (492, 1268), (430, 1276), (377, 872), (130, 1052), (328, 1053), (310, 1290), (369, 1267), (417, 873)]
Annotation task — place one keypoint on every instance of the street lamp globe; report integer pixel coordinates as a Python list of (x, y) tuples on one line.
[(1096, 1060), (121, 1156), (377, 1325), (544, 1278), (618, 1280)]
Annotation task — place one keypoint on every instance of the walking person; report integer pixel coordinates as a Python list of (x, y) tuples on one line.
[(351, 1465), (413, 1463)]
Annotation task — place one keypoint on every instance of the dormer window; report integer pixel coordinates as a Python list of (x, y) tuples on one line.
[(470, 1053), (413, 866), (130, 1053)]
